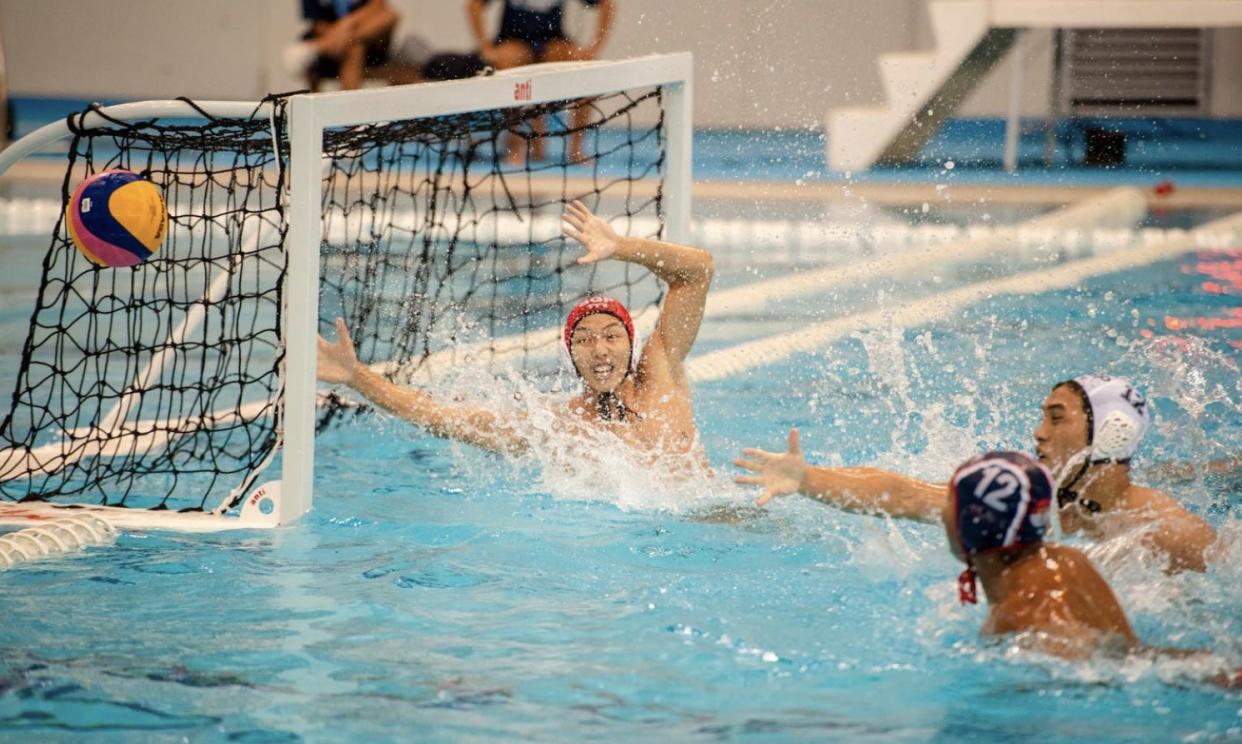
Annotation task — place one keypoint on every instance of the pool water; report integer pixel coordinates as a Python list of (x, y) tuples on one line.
[(437, 593)]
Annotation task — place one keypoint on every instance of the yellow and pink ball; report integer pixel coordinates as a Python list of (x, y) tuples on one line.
[(117, 218)]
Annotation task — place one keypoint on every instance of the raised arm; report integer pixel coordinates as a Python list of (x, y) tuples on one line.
[(338, 363), (868, 490), (687, 272)]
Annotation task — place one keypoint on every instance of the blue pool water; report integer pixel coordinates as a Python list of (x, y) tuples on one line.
[(437, 593)]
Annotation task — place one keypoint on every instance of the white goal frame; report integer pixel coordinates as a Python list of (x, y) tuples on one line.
[(308, 116)]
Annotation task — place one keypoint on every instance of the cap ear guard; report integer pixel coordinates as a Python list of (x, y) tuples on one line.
[(1117, 414), (1116, 438)]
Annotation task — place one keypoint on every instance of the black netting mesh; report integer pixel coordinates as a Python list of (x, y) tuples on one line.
[(442, 237), (157, 386)]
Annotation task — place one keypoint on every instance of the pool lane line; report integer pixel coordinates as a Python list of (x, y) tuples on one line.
[(920, 186), (1121, 207), (743, 357)]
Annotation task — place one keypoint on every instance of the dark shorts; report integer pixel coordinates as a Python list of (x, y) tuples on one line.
[(538, 44), (377, 53)]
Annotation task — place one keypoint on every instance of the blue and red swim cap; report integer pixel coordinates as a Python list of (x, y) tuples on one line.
[(999, 501)]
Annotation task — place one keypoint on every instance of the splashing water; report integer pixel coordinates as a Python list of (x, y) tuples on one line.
[(587, 463), (1197, 395)]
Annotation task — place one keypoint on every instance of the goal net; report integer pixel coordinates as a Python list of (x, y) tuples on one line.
[(175, 384), (442, 235), (157, 386)]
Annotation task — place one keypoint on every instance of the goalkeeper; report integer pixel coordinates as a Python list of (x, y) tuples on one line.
[(639, 393)]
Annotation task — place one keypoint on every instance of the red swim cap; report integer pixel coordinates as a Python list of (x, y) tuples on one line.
[(596, 305)]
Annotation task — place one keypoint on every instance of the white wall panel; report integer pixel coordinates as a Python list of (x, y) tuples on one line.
[(758, 64)]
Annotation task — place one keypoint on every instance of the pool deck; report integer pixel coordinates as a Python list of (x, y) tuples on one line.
[(51, 173)]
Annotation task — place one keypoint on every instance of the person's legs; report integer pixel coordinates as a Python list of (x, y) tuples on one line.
[(358, 40), (374, 22), (560, 50), (352, 66), (506, 54)]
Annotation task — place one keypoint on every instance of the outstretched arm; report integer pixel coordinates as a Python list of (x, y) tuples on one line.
[(687, 272), (867, 490), (338, 363)]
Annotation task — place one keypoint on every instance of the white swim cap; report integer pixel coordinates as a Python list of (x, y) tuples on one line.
[(1118, 417)]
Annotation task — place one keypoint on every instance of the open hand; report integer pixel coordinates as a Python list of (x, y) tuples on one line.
[(596, 235), (338, 363), (779, 474)]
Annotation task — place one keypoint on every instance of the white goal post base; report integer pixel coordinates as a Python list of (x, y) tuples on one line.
[(260, 510)]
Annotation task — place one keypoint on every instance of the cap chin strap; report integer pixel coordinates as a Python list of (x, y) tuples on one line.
[(967, 588), (1066, 494), (610, 407)]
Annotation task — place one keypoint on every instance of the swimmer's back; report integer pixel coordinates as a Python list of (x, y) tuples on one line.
[(1056, 590)]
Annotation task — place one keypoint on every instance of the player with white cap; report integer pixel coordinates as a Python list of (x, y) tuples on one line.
[(1048, 597), (1092, 426)]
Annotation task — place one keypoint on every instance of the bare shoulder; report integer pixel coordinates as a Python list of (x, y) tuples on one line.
[(1063, 558), (1185, 536), (1054, 568), (1072, 559), (1144, 497), (657, 371), (1166, 508), (1072, 595), (1011, 615)]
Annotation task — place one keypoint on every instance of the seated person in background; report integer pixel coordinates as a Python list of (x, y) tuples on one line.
[(346, 38), (1050, 596), (533, 31), (1091, 428), (639, 394)]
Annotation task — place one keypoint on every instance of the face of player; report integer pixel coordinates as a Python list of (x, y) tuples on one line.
[(1063, 431), (600, 349)]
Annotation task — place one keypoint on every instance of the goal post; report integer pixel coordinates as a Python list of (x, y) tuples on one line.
[(399, 186)]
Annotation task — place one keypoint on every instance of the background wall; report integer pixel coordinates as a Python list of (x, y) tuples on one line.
[(775, 63)]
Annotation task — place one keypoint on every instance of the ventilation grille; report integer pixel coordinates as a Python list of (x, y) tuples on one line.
[(1135, 71)]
